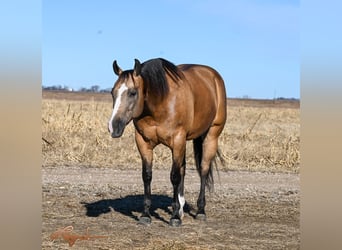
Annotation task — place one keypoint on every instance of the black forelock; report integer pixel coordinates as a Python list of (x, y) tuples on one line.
[(125, 74)]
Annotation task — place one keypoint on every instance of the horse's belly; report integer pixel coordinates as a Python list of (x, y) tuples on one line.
[(201, 123)]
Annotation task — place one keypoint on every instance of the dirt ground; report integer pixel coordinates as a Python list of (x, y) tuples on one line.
[(247, 210)]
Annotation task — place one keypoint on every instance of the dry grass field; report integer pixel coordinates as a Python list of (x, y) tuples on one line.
[(90, 180), (258, 136)]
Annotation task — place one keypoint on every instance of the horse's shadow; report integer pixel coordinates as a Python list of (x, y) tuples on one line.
[(131, 204)]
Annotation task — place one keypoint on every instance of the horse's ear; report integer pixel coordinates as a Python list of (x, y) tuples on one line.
[(116, 68), (137, 67)]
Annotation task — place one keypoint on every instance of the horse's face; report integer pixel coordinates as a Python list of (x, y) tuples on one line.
[(128, 100)]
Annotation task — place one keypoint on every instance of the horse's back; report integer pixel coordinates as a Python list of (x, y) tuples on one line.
[(201, 76)]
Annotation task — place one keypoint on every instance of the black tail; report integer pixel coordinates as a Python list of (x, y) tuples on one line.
[(198, 152), (222, 160)]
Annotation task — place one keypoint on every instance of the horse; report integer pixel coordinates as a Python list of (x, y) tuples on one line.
[(169, 105)]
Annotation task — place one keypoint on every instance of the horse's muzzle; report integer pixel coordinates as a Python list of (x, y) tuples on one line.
[(118, 128), (116, 135)]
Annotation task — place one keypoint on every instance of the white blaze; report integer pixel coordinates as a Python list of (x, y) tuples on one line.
[(117, 104), (181, 202)]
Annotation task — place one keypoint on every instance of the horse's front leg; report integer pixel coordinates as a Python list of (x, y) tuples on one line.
[(146, 152), (177, 179)]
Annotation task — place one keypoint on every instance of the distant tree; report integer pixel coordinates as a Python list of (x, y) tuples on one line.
[(54, 87), (83, 89), (107, 90), (95, 88)]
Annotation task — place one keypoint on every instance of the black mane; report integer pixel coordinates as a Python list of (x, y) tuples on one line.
[(154, 74)]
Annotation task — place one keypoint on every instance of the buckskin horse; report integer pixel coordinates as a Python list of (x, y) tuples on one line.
[(170, 104)]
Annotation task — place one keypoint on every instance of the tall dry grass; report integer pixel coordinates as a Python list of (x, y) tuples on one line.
[(254, 138)]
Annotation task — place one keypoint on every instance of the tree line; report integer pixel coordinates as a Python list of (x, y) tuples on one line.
[(93, 88)]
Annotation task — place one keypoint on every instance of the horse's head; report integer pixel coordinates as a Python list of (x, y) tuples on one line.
[(128, 99)]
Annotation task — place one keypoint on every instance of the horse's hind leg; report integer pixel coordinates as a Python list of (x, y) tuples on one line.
[(209, 150)]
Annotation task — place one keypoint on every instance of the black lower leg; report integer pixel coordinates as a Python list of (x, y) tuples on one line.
[(175, 180), (147, 178), (201, 199)]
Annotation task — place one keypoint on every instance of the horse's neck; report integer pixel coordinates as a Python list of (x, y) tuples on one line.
[(152, 105)]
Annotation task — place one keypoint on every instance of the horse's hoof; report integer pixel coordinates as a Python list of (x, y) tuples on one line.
[(175, 222), (145, 220), (201, 217)]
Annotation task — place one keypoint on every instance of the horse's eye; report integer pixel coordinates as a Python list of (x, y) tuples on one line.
[(132, 92)]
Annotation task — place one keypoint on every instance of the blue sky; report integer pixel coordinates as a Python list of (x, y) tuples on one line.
[(254, 44)]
